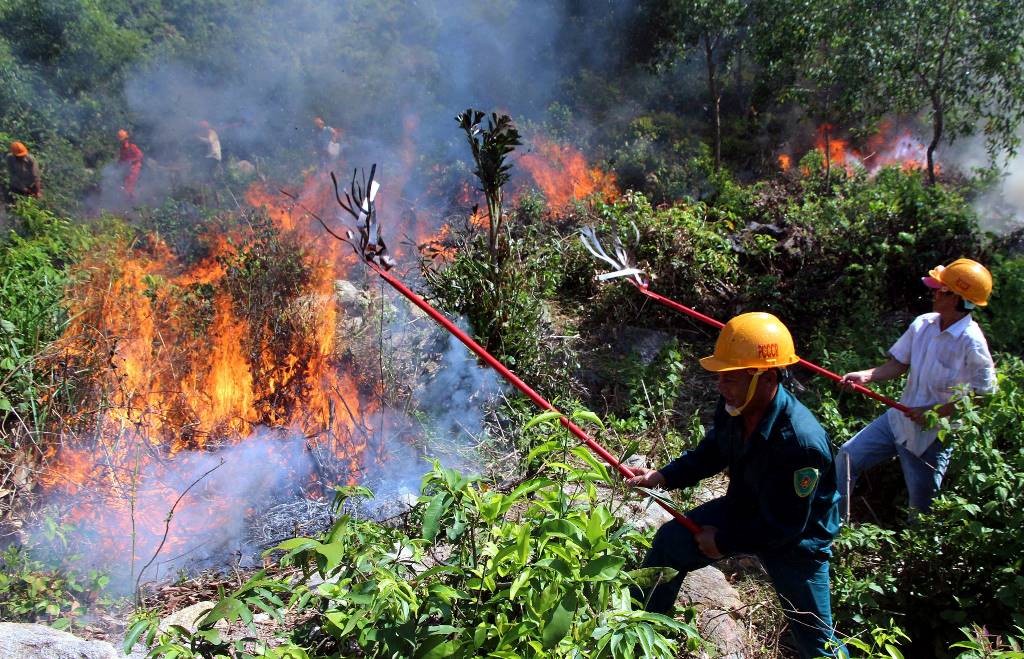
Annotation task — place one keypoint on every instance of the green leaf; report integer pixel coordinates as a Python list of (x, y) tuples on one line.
[(604, 568), (432, 516), (228, 609), (523, 545), (587, 415), (436, 647), (543, 417), (557, 626), (134, 632), (519, 582), (332, 553), (647, 576)]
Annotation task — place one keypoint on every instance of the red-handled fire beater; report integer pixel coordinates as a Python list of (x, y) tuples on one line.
[(623, 269)]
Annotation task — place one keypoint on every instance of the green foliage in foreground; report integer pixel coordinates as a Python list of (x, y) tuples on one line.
[(962, 562), (539, 571), (34, 264), (33, 590)]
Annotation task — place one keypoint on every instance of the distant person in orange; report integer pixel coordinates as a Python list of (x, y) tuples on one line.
[(130, 159), (23, 177)]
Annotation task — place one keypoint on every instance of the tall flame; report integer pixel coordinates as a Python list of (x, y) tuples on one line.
[(562, 173)]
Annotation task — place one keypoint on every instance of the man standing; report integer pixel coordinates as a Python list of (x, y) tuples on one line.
[(209, 143), (781, 503), (943, 350), (323, 137), (130, 158), (22, 174)]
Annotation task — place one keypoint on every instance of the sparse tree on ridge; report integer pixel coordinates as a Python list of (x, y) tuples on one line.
[(960, 60)]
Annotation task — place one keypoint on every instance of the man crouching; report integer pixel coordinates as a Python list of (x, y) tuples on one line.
[(782, 501)]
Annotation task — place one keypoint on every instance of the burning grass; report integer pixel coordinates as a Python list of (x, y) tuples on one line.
[(186, 364)]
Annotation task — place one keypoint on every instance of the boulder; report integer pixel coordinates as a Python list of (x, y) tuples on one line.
[(187, 617), (720, 611), (30, 641), (709, 588)]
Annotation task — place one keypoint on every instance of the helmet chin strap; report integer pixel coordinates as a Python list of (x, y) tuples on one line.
[(736, 411)]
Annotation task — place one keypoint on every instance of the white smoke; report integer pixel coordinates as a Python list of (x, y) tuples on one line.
[(182, 513), (1000, 208)]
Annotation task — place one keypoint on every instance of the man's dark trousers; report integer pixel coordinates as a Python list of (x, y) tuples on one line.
[(801, 582)]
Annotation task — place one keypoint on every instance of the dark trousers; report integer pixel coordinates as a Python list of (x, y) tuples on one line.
[(801, 581)]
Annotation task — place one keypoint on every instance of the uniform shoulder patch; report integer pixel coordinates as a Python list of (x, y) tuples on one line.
[(804, 481)]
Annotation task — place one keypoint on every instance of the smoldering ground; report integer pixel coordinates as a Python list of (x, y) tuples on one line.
[(155, 518)]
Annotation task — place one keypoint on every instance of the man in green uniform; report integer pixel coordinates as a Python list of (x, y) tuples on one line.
[(782, 501)]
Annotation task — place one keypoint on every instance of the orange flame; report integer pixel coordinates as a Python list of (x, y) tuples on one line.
[(562, 174), (885, 148)]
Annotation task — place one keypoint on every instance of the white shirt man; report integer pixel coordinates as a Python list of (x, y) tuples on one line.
[(947, 356)]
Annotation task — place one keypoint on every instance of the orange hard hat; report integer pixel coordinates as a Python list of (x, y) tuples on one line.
[(755, 340), (969, 279), (18, 150), (122, 134)]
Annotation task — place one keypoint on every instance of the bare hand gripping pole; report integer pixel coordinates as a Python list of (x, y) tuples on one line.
[(359, 202), (623, 268)]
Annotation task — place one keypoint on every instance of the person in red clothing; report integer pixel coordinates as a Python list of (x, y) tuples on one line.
[(130, 159)]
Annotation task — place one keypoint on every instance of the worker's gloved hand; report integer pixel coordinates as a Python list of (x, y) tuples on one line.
[(855, 377), (706, 542), (644, 477)]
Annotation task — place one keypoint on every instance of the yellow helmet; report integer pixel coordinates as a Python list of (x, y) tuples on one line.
[(752, 340), (969, 279)]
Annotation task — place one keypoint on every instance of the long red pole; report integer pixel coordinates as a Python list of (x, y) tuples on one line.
[(525, 388), (672, 304)]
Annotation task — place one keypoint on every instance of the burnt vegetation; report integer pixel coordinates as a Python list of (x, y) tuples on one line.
[(811, 159)]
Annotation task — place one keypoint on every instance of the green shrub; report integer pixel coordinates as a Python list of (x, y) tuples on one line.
[(861, 245), (538, 571), (33, 590), (1003, 319), (34, 264), (962, 562), (685, 248), (504, 302)]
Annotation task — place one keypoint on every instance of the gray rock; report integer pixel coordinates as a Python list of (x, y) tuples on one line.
[(349, 295), (187, 617), (709, 588), (651, 515), (720, 610), (727, 635), (28, 641)]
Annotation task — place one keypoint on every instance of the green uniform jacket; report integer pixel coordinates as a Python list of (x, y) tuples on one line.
[(782, 494)]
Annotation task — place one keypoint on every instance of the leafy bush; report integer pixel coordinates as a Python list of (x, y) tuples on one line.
[(1003, 319), (962, 562), (503, 302), (33, 263), (866, 241), (33, 590), (685, 247), (538, 571)]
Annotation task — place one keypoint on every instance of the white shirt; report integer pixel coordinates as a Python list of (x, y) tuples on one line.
[(212, 141), (940, 361)]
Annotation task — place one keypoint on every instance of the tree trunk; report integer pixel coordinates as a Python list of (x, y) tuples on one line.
[(937, 125), (828, 154), (715, 98)]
